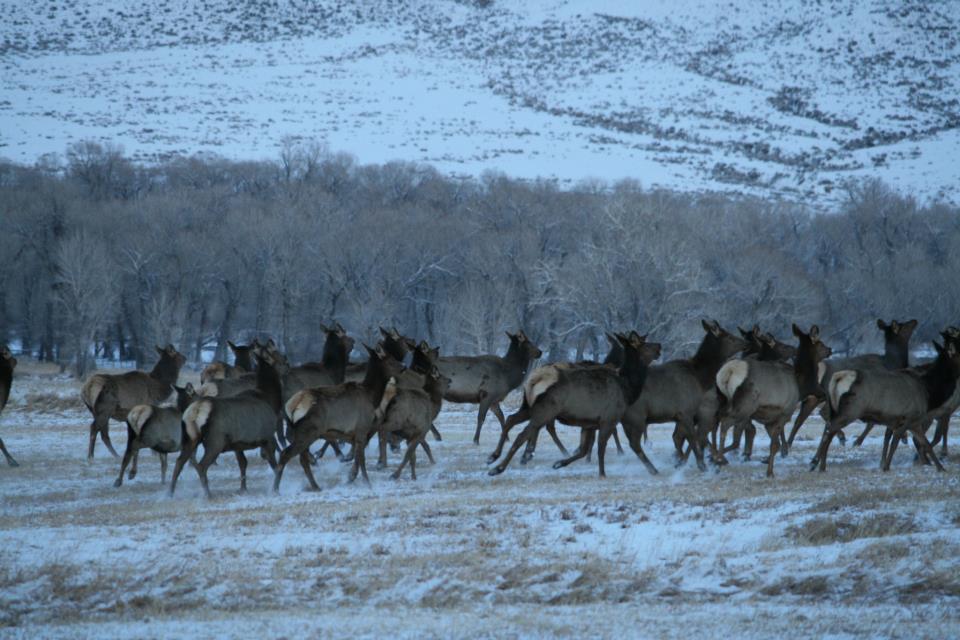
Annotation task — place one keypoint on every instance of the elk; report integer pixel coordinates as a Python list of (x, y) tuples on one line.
[(7, 364), (901, 400), (614, 360), (593, 398), (675, 390), (112, 396), (942, 415), (345, 411), (409, 413), (763, 347), (238, 423), (157, 428), (242, 363), (488, 379), (896, 355), (768, 391)]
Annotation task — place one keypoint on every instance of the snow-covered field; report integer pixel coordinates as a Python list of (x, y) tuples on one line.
[(789, 98), (534, 552)]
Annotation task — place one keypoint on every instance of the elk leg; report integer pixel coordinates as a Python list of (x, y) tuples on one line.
[(105, 436), (481, 416), (295, 449), (750, 432), (894, 443), (921, 439), (382, 446), (6, 454), (361, 449), (269, 453), (552, 430), (242, 463), (426, 449), (806, 408), (308, 471), (520, 440), (93, 438), (136, 458), (616, 441), (823, 458), (774, 434), (436, 434), (633, 439), (497, 411), (522, 414), (887, 435), (209, 455), (186, 453), (586, 445), (602, 439), (863, 434), (127, 456), (678, 438), (531, 448), (163, 468), (737, 434)]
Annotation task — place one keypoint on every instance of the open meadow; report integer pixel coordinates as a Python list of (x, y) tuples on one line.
[(533, 552)]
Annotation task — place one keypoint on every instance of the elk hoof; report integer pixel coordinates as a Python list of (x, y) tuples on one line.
[(765, 460), (495, 471), (476, 441), (526, 457), (131, 475), (14, 463), (381, 466), (492, 458), (395, 475), (118, 482), (558, 464)]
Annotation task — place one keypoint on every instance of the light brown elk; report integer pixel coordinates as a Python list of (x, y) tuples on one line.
[(901, 400), (409, 414), (768, 391), (614, 360), (157, 428), (346, 412), (486, 380), (674, 391), (242, 363), (112, 396), (943, 414), (593, 398), (238, 423), (896, 355), (7, 364)]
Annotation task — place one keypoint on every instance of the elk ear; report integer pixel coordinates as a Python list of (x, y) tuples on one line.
[(612, 339), (637, 338), (159, 350), (423, 346), (189, 388), (325, 328), (231, 345), (435, 352), (881, 324), (271, 344), (952, 349), (384, 332), (712, 326), (938, 347), (909, 325), (797, 331), (369, 349), (512, 336), (744, 332), (815, 333)]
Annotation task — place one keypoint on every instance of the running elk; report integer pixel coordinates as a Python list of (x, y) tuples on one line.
[(7, 365), (675, 390), (346, 412), (112, 396), (239, 423), (488, 379), (768, 391), (901, 400), (156, 428), (593, 398)]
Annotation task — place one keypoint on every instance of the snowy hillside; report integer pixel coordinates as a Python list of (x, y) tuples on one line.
[(791, 97)]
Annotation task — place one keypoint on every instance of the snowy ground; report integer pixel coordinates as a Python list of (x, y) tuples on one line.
[(534, 552), (790, 98)]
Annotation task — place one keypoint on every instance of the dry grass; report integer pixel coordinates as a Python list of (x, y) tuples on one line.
[(841, 529)]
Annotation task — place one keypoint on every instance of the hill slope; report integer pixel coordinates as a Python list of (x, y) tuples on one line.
[(789, 97)]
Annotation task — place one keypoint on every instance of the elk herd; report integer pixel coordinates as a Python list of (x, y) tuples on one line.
[(262, 403)]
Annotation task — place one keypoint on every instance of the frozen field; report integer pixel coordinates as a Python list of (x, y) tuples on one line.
[(534, 552)]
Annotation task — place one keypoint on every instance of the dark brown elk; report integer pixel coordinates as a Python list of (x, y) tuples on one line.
[(901, 400), (593, 398), (238, 423), (409, 414), (944, 413), (486, 380), (675, 390), (156, 428), (768, 391), (112, 396), (7, 364), (896, 355), (614, 360), (242, 363), (345, 412)]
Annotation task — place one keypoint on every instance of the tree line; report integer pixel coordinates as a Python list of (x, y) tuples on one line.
[(106, 257)]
